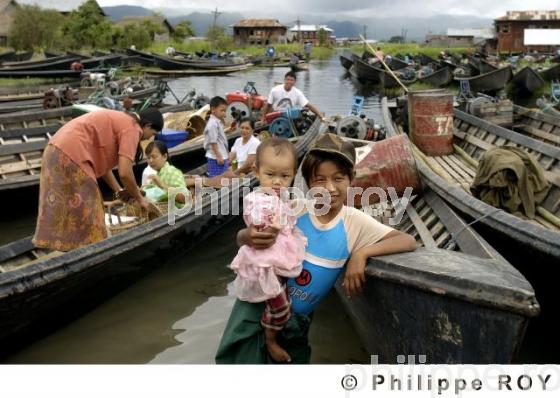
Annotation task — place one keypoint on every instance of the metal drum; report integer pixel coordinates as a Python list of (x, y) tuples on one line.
[(430, 116), (385, 164)]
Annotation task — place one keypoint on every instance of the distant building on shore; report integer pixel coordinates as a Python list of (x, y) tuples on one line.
[(460, 37), (259, 32), (311, 33), (515, 27), (7, 10), (167, 29)]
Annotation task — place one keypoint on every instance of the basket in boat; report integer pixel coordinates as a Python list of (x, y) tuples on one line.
[(121, 217)]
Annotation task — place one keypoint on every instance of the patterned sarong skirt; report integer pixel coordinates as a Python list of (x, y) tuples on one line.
[(71, 211)]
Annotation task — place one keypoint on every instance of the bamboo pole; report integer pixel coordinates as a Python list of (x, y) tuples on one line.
[(384, 64)]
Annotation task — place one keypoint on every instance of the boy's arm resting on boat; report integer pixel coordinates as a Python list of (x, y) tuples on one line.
[(393, 242), (256, 238)]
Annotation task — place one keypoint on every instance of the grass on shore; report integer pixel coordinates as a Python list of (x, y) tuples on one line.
[(411, 48), (317, 52)]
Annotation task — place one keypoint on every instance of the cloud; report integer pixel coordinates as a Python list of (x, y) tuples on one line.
[(349, 8)]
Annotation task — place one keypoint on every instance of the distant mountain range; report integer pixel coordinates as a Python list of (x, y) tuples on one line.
[(376, 28)]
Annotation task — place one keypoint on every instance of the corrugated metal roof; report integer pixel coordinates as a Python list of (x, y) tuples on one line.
[(258, 23), (536, 15), (310, 28), (484, 33)]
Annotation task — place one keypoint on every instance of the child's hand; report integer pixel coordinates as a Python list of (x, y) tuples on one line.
[(155, 179), (355, 274), (259, 238)]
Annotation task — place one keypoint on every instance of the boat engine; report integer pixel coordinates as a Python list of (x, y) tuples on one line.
[(496, 110), (237, 110)]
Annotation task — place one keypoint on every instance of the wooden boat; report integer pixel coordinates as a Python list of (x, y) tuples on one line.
[(299, 67), (488, 82), (143, 58), (481, 66), (346, 61), (538, 125), (37, 286), (167, 63), (440, 78), (49, 74), (57, 63), (552, 73), (24, 136), (367, 72), (425, 60), (451, 177), (449, 300), (397, 63), (527, 81), (196, 72), (102, 62), (7, 56), (548, 107)]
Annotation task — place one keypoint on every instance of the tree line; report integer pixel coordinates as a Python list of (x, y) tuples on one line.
[(34, 28)]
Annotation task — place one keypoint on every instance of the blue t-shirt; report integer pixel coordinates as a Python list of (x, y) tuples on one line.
[(329, 246)]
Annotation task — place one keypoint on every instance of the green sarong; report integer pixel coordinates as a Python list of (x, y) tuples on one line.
[(243, 341)]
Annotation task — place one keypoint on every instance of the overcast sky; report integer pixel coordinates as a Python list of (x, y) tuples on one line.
[(337, 9)]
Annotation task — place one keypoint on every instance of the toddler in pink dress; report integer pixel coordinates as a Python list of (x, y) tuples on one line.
[(261, 273)]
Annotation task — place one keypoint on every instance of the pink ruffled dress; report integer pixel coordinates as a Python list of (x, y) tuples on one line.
[(258, 270)]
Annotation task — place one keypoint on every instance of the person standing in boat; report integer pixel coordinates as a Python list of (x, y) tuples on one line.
[(71, 211), (288, 96)]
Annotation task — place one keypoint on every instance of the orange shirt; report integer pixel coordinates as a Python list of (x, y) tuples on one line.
[(95, 140)]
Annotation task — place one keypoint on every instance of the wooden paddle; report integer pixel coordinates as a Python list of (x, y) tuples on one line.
[(384, 64)]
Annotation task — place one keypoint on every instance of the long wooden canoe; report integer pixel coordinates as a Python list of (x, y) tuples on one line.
[(21, 149), (488, 82), (552, 73), (527, 81), (451, 177), (538, 125), (452, 300), (346, 61), (167, 63), (57, 64), (440, 78), (49, 74), (38, 286), (367, 72)]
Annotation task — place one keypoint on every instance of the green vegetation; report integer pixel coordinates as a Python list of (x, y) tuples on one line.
[(29, 81), (34, 28), (411, 48)]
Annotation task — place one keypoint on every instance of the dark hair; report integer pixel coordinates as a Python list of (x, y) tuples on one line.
[(217, 101), (290, 74), (151, 116), (160, 145), (279, 145), (313, 160), (249, 120)]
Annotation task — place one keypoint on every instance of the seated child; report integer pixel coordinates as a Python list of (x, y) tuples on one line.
[(261, 273), (167, 175)]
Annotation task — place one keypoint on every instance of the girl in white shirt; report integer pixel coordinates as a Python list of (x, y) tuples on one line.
[(245, 147)]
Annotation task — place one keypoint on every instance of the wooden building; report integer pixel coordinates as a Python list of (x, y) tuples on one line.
[(259, 32), (510, 29), (166, 31), (310, 33), (7, 10)]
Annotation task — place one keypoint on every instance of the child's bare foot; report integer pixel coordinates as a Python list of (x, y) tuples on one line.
[(277, 353)]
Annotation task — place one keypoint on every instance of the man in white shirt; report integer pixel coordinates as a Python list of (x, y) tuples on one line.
[(288, 96)]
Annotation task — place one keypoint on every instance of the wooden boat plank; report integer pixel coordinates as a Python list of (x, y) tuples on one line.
[(550, 138), (526, 142), (424, 233), (462, 175), (453, 176), (29, 131), (11, 149), (23, 165), (471, 172)]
